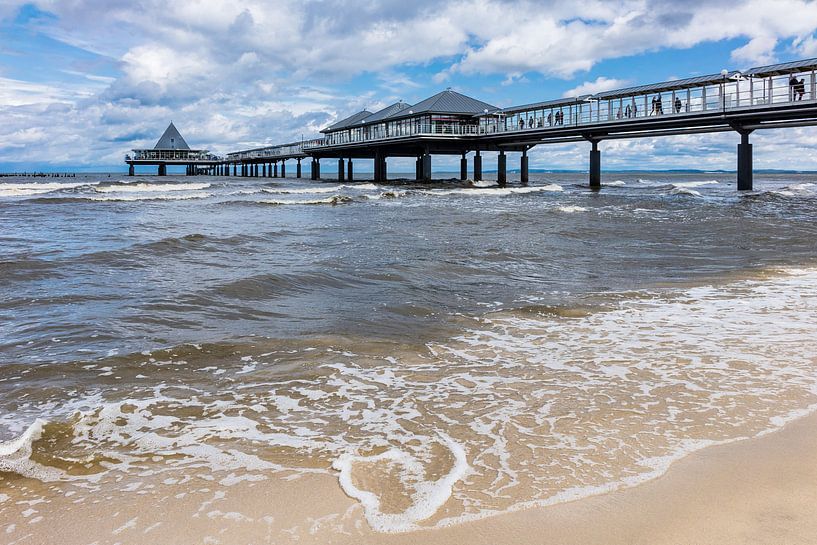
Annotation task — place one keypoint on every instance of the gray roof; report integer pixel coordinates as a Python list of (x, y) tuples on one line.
[(446, 102), (171, 139), (674, 85), (388, 111), (349, 121), (540, 105), (783, 68)]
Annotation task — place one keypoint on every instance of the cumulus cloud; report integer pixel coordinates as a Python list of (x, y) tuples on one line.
[(601, 83), (235, 73)]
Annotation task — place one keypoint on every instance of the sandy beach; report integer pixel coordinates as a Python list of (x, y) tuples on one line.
[(758, 491)]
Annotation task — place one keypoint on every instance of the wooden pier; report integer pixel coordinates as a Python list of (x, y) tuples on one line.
[(449, 123)]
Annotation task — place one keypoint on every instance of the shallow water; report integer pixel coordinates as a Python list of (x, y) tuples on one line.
[(445, 351)]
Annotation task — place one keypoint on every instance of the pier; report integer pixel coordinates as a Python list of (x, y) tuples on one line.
[(172, 150), (450, 123)]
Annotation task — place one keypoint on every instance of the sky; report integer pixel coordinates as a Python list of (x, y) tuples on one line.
[(84, 81)]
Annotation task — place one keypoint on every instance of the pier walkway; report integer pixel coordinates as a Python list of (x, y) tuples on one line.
[(766, 97)]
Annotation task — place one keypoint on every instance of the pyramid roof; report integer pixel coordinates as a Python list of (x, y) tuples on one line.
[(171, 139)]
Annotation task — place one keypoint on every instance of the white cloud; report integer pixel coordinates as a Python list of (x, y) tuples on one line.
[(235, 72), (601, 83)]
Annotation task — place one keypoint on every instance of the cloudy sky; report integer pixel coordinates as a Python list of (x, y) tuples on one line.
[(84, 81)]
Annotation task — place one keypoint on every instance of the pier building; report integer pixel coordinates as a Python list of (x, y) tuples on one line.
[(172, 149), (766, 97)]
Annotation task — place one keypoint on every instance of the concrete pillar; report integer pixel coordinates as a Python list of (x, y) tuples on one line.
[(131, 170), (384, 169), (341, 170), (283, 169), (595, 166), (235, 169), (744, 162), (350, 174), (502, 168), (275, 169), (162, 169), (317, 168), (312, 170), (298, 169), (379, 170), (264, 170), (426, 163), (477, 167), (463, 167), (523, 168), (418, 168)]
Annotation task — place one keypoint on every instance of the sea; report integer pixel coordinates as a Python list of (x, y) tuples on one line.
[(436, 352)]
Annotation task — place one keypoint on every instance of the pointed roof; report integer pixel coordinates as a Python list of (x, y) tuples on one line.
[(171, 139), (349, 121), (447, 102), (388, 111)]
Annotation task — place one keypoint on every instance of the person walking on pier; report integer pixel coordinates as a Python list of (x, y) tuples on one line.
[(677, 105), (628, 111), (793, 87), (801, 89)]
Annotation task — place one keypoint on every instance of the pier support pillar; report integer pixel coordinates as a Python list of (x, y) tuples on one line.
[(264, 170), (283, 169), (131, 170), (350, 171), (426, 167), (463, 167), (744, 162), (275, 169), (341, 170), (524, 177), (312, 172), (162, 169), (502, 169), (418, 169), (235, 169), (595, 165), (477, 167), (380, 168), (298, 169)]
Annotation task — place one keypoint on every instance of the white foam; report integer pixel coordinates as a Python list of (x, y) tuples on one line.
[(685, 191), (426, 496), (142, 187), (15, 455), (337, 199), (572, 209), (695, 184), (493, 191), (616, 183), (28, 189)]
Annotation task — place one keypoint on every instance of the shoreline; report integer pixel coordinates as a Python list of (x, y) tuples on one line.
[(756, 490)]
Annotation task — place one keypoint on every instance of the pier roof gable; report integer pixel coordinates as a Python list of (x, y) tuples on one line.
[(782, 68), (348, 122), (388, 111), (446, 102), (171, 140)]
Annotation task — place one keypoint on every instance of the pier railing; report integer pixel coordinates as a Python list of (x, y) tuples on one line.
[(735, 91)]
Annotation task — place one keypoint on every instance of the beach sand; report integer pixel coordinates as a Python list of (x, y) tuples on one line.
[(758, 491)]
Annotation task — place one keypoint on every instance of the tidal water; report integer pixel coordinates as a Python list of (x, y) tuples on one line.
[(445, 351)]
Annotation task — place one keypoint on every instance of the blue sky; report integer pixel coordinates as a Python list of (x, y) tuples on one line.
[(82, 82)]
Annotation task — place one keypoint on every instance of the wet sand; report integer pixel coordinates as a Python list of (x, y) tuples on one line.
[(757, 491)]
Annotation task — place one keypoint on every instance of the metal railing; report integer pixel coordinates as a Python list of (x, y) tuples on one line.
[(734, 92), (171, 155)]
